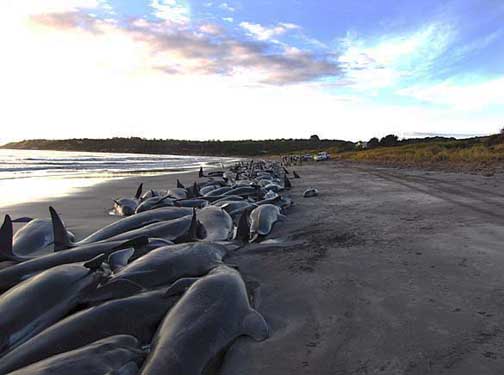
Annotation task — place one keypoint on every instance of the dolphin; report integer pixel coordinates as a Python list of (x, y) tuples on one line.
[(124, 316), (34, 239), (228, 198), (19, 272), (184, 229), (212, 313), (217, 223), (234, 205), (218, 192), (177, 193), (37, 303), (134, 222), (115, 355), (243, 191), (207, 189), (311, 192), (164, 266), (262, 220), (127, 206), (154, 202), (193, 203)]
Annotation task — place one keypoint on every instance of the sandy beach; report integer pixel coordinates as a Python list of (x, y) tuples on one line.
[(397, 272)]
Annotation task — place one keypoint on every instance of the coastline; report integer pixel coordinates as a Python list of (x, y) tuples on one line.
[(391, 271), (87, 209)]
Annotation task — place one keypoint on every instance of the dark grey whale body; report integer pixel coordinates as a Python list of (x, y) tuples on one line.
[(116, 355), (138, 316), (58, 289), (213, 312)]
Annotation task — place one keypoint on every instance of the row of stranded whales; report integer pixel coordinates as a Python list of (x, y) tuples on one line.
[(151, 293)]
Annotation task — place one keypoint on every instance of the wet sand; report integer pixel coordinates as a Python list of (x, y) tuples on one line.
[(399, 272)]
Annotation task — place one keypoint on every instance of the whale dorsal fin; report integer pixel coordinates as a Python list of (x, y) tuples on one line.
[(139, 191), (192, 233), (6, 234), (119, 259), (201, 174), (255, 326), (196, 191), (61, 239), (243, 227), (180, 185), (287, 183)]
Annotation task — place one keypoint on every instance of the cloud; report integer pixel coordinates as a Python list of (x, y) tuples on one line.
[(388, 60), (260, 32), (208, 50), (211, 29), (175, 11), (470, 96), (227, 7)]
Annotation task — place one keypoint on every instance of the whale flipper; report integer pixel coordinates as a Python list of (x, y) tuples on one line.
[(96, 262), (180, 286), (120, 258), (255, 326)]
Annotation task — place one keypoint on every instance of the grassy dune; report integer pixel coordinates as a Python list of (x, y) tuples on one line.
[(476, 153)]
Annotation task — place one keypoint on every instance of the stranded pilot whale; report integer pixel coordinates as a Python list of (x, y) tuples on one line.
[(115, 355), (34, 239), (262, 220), (163, 266), (138, 316), (212, 313), (58, 289)]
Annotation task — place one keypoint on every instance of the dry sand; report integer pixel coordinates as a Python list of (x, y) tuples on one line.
[(400, 272)]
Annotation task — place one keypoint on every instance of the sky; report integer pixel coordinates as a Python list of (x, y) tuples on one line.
[(243, 69)]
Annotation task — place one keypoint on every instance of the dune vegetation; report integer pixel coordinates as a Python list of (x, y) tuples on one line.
[(475, 153)]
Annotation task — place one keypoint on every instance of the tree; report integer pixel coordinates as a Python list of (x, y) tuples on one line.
[(373, 143), (389, 140), (315, 138)]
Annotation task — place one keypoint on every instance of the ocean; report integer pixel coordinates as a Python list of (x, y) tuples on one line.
[(28, 175)]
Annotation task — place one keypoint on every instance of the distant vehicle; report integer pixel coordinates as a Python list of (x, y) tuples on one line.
[(307, 157), (321, 156)]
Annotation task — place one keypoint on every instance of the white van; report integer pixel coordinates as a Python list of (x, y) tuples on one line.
[(321, 156)]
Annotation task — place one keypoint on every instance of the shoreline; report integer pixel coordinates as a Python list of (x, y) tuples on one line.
[(390, 271), (86, 209)]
